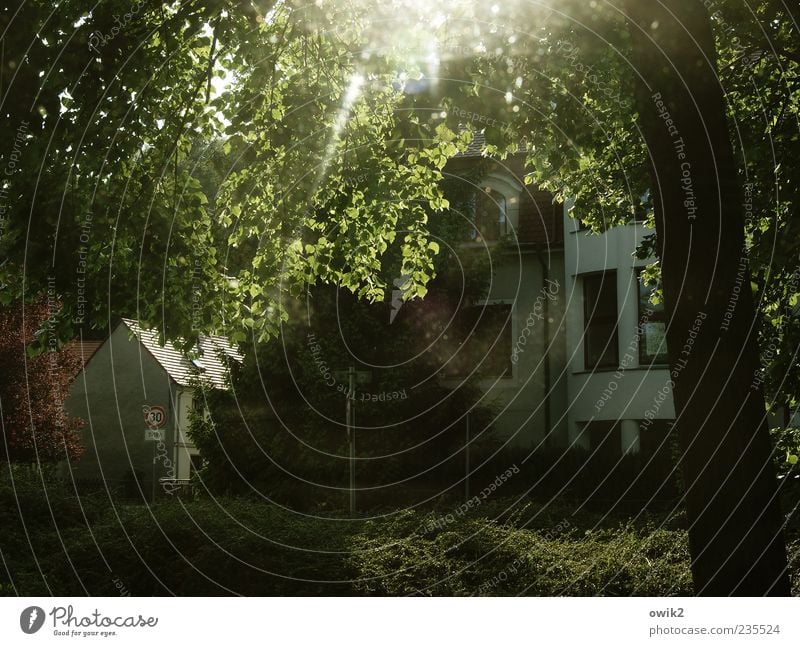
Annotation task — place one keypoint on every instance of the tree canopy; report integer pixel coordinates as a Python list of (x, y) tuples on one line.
[(334, 132), (108, 105)]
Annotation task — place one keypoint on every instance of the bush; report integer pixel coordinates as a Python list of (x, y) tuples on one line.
[(627, 485), (486, 558), (37, 509), (236, 546), (282, 432), (55, 542), (206, 548), (787, 449)]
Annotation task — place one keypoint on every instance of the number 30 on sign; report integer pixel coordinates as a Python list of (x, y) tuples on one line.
[(154, 416)]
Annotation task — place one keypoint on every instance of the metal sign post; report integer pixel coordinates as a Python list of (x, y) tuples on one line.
[(466, 462), (352, 376), (155, 417), (351, 436)]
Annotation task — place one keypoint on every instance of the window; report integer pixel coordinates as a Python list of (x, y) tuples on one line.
[(652, 327), (489, 220), (483, 337), (600, 344)]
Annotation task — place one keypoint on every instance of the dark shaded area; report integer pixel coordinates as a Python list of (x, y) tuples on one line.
[(54, 542)]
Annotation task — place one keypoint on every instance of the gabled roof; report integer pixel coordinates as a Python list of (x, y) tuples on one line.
[(214, 352), (540, 218), (82, 351), (475, 147)]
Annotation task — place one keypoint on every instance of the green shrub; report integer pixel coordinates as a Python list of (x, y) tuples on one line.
[(67, 545), (227, 546), (483, 557), (37, 509)]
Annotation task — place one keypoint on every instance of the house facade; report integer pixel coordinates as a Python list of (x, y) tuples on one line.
[(520, 322), (618, 374), (585, 349), (135, 397)]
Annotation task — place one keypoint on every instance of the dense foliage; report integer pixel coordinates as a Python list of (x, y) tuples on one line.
[(57, 543), (280, 429), (115, 126), (334, 136), (35, 426), (572, 103), (327, 173)]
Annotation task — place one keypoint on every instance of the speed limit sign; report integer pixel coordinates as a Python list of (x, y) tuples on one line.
[(154, 416)]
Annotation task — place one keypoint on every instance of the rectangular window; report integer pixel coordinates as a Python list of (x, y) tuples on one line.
[(652, 327), (489, 220), (600, 343), (484, 342)]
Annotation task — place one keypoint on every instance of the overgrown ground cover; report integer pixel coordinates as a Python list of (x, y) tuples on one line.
[(54, 542)]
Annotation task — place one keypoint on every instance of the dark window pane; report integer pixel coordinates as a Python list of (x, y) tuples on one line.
[(601, 345), (601, 295), (490, 216), (652, 327), (600, 320)]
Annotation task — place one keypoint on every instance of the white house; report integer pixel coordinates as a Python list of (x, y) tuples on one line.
[(135, 396), (578, 351), (519, 334), (617, 367)]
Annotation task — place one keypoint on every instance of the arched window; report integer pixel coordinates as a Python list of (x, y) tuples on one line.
[(489, 220)]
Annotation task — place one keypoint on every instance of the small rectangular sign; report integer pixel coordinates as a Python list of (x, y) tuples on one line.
[(154, 435)]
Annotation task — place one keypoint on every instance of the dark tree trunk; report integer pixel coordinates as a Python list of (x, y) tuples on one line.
[(735, 521)]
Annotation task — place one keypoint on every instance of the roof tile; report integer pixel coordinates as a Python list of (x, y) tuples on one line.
[(211, 364)]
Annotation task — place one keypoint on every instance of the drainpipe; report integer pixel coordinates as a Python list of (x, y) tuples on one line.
[(546, 345)]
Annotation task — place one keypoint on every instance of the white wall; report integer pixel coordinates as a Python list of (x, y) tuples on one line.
[(184, 447), (633, 392), (109, 393), (522, 399)]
